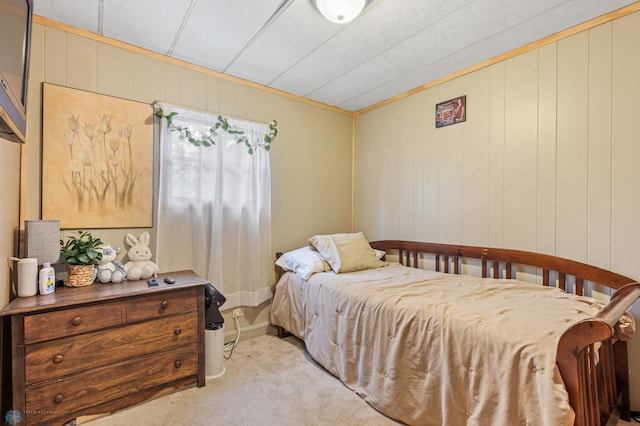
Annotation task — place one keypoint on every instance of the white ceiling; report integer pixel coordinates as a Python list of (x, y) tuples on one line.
[(394, 46)]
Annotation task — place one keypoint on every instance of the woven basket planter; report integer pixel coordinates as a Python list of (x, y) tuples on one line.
[(80, 275)]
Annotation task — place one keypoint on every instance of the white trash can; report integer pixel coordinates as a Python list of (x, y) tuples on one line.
[(214, 352)]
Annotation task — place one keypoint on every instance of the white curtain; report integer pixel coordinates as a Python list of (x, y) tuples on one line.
[(214, 207)]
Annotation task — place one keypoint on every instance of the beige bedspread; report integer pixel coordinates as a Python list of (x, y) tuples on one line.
[(437, 349)]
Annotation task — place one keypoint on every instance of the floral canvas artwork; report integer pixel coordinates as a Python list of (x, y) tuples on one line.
[(97, 160)]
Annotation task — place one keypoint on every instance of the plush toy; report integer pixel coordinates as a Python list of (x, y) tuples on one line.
[(139, 265), (109, 270)]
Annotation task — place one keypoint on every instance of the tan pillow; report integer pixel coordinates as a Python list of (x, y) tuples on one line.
[(346, 252)]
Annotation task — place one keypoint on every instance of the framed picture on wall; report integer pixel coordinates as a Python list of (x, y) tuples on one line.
[(451, 112), (97, 160)]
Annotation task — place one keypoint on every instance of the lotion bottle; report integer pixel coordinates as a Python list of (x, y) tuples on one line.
[(47, 279)]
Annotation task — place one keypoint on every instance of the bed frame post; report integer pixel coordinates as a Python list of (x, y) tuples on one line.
[(281, 332), (620, 355)]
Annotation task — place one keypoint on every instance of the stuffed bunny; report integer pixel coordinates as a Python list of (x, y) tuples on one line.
[(109, 270), (139, 265)]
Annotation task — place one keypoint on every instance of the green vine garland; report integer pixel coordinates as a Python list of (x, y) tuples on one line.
[(208, 140)]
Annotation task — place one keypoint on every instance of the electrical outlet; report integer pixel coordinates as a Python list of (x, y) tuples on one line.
[(238, 312)]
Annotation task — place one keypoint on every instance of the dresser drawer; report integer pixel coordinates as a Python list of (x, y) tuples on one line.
[(57, 358), (45, 400), (69, 322), (165, 303)]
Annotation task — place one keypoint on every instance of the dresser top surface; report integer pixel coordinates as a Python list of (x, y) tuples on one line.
[(97, 292)]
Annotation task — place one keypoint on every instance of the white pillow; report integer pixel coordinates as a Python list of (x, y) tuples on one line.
[(346, 252), (379, 253), (304, 261)]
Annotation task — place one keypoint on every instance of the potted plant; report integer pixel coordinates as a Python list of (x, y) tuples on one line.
[(79, 252)]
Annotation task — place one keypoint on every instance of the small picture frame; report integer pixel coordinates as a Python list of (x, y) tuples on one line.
[(450, 112)]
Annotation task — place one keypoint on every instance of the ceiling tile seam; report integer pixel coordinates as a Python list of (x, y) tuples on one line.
[(342, 101), (303, 57), (398, 77), (385, 50), (101, 17), (274, 17), (185, 19)]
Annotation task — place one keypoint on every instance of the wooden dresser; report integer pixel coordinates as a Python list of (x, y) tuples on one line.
[(103, 347)]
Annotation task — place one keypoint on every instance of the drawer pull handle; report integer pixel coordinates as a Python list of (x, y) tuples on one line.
[(58, 399), (178, 364), (177, 331), (76, 321), (58, 359), (164, 304)]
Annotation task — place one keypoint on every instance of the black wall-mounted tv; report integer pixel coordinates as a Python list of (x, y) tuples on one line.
[(15, 40)]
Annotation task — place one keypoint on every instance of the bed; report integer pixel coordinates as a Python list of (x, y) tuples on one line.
[(445, 334)]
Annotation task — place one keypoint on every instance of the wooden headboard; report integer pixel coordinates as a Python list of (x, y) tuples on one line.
[(500, 263)]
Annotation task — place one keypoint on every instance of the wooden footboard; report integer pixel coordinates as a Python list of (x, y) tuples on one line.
[(592, 362), (595, 390)]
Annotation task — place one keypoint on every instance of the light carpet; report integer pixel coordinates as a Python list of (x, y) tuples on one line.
[(268, 381)]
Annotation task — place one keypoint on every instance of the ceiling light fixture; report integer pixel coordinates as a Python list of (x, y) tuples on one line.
[(340, 11)]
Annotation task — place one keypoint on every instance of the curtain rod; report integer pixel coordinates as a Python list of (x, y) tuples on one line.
[(157, 102)]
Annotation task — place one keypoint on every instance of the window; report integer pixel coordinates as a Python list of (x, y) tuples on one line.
[(214, 209)]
